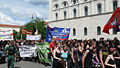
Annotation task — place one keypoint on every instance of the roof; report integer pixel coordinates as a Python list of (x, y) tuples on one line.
[(45, 23), (16, 26)]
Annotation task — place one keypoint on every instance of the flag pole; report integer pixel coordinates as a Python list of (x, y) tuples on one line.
[(21, 33)]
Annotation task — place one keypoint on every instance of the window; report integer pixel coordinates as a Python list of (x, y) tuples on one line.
[(74, 1), (56, 15), (115, 4), (114, 31), (99, 8), (65, 14), (86, 11), (65, 3), (85, 31), (98, 30), (74, 31), (74, 12), (56, 6)]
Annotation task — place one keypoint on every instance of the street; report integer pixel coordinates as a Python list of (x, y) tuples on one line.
[(26, 64)]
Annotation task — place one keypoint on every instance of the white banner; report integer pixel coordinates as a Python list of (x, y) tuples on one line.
[(33, 37), (6, 34), (28, 51)]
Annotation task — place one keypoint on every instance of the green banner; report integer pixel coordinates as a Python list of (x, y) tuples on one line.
[(43, 50)]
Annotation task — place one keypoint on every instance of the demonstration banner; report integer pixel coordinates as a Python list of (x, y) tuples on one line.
[(43, 50), (60, 33), (28, 51), (6, 34), (33, 37)]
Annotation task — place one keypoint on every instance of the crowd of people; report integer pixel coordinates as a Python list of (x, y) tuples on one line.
[(85, 53), (77, 53), (11, 50)]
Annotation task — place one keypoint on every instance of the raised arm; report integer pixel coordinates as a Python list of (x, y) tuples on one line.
[(83, 58), (106, 62), (54, 52), (72, 55), (100, 56)]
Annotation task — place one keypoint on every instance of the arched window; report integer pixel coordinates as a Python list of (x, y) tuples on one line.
[(98, 30), (86, 11), (74, 1), (56, 6), (85, 31), (74, 12), (56, 15), (65, 14), (74, 31), (114, 31), (115, 4), (99, 7), (65, 3)]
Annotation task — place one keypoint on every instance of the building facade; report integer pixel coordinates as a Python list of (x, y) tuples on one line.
[(10, 27), (86, 18)]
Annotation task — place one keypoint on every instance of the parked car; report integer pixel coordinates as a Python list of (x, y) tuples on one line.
[(2, 57)]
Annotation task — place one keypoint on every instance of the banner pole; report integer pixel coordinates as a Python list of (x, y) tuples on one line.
[(21, 36), (21, 33)]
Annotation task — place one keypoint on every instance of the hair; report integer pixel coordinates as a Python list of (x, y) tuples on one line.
[(74, 44), (111, 50)]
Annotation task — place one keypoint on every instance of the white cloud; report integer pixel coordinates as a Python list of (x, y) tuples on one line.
[(22, 10), (19, 12), (4, 19)]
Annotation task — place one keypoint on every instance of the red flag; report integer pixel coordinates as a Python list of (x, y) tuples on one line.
[(112, 21), (25, 31)]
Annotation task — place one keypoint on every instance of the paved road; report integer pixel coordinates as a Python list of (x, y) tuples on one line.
[(26, 64)]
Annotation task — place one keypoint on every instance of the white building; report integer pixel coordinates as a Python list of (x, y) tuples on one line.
[(10, 27), (86, 18)]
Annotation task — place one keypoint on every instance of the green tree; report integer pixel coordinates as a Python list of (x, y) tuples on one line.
[(16, 35), (39, 25)]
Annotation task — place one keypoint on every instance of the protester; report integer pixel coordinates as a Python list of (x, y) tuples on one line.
[(117, 55), (52, 47), (95, 60), (69, 59), (81, 52), (110, 61), (64, 57), (57, 56), (100, 53), (87, 57), (11, 53), (75, 56)]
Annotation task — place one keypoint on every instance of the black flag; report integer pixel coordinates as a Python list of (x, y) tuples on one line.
[(34, 30)]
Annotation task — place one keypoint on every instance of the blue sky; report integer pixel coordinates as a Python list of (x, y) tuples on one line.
[(19, 12)]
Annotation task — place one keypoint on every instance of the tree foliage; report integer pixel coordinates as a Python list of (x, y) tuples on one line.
[(37, 23)]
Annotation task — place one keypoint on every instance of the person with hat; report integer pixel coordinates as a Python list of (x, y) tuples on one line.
[(110, 61), (11, 53)]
